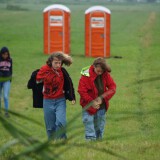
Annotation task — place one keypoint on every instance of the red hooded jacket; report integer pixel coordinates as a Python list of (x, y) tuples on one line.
[(53, 82), (89, 92)]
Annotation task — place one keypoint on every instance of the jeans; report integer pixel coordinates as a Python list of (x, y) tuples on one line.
[(94, 124), (5, 86), (55, 117)]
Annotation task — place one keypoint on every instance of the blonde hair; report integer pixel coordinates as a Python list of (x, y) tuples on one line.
[(66, 59)]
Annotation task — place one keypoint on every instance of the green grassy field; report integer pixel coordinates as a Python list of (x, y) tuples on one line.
[(133, 124)]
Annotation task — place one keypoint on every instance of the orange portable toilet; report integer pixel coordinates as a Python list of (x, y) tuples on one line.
[(56, 29), (97, 32)]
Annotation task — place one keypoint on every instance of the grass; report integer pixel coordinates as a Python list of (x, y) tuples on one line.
[(133, 123)]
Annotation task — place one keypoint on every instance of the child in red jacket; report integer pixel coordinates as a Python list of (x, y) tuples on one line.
[(96, 87), (54, 99)]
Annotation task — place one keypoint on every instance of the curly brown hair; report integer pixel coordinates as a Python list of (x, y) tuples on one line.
[(99, 61), (66, 59)]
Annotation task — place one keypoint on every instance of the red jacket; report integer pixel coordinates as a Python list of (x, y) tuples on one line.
[(89, 92), (53, 82)]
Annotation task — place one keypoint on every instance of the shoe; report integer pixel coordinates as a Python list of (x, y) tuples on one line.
[(7, 114)]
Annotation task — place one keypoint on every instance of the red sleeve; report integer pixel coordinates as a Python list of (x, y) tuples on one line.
[(42, 73), (83, 89)]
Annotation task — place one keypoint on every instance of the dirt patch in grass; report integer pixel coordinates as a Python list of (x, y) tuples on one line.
[(146, 39)]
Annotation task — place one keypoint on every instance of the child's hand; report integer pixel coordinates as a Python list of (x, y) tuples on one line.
[(95, 104), (73, 102), (99, 100)]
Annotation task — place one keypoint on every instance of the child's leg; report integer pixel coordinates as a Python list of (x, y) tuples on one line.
[(6, 89), (100, 121), (1, 86), (88, 121)]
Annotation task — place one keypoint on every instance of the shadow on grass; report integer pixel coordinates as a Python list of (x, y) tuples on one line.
[(12, 7), (151, 79), (131, 115)]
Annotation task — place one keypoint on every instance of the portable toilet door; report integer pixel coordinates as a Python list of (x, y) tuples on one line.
[(56, 29), (97, 32)]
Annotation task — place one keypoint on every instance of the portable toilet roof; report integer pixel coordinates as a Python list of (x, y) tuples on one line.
[(97, 8), (56, 6)]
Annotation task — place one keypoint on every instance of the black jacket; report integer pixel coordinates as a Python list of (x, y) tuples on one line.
[(37, 88)]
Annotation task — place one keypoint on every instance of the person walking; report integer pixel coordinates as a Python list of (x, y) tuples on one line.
[(96, 87), (5, 77), (57, 87)]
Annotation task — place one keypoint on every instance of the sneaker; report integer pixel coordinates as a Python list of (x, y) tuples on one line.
[(7, 114)]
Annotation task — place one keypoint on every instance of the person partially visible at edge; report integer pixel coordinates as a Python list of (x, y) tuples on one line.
[(5, 77), (54, 101), (97, 87)]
